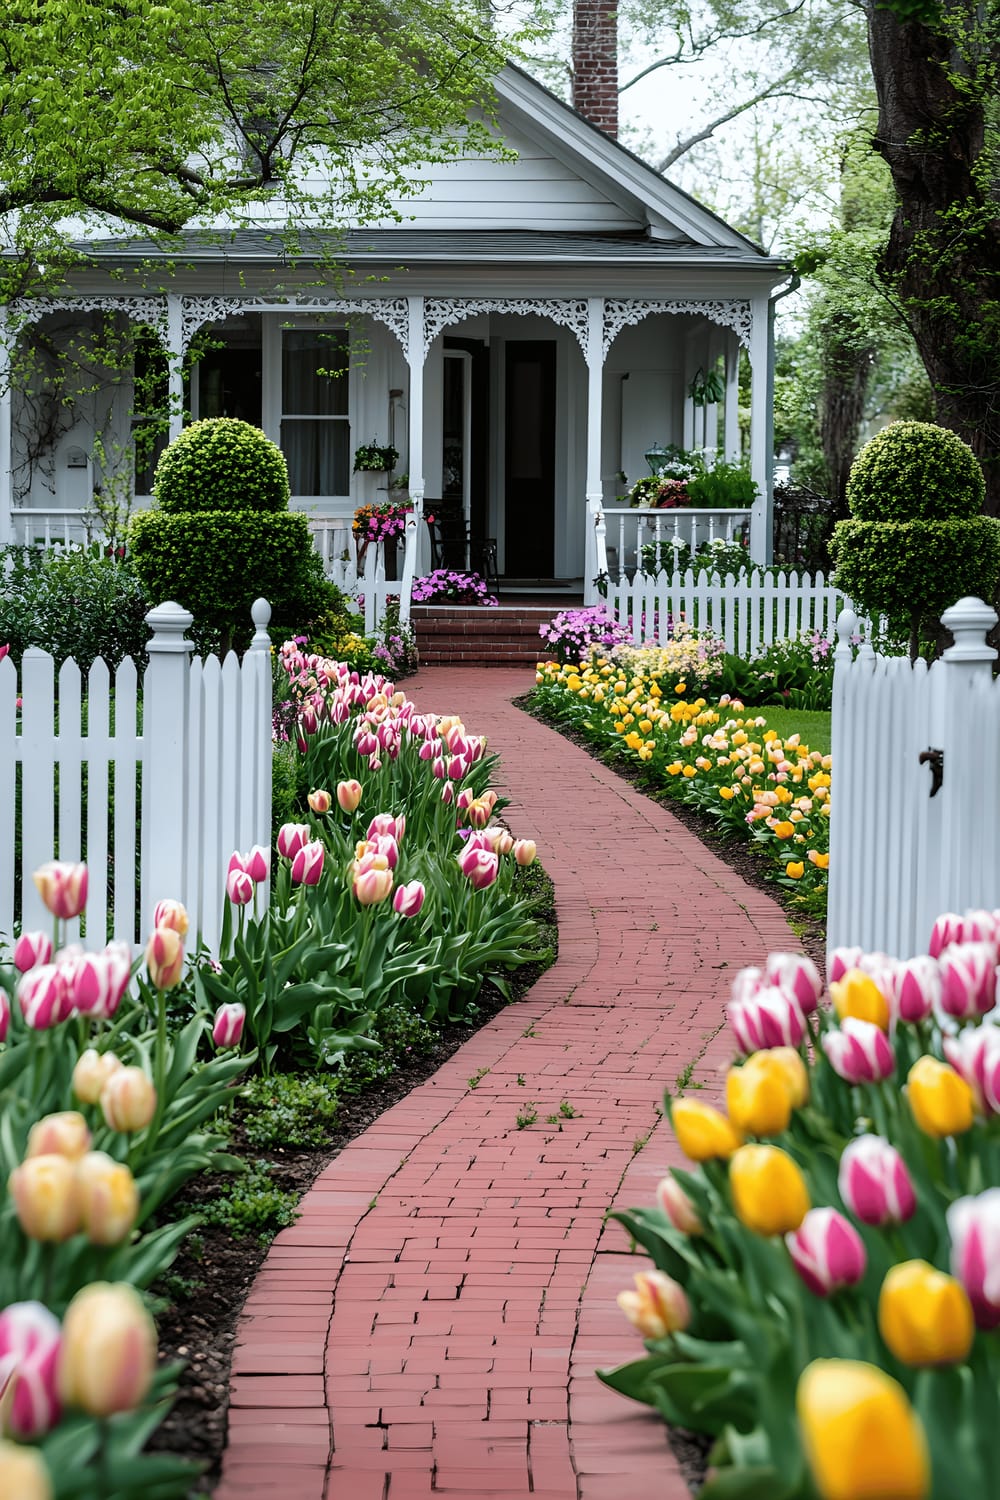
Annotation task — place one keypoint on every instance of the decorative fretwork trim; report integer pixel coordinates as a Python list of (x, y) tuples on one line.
[(441, 312), (619, 313)]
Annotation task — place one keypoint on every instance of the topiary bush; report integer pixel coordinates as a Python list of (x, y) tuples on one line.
[(221, 535), (916, 542)]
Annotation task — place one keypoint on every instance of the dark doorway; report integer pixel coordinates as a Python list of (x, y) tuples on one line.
[(529, 458)]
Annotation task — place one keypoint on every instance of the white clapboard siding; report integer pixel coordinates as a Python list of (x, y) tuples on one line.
[(201, 747), (898, 856), (748, 613)]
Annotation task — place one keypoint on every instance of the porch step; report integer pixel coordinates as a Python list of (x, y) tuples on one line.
[(504, 636)]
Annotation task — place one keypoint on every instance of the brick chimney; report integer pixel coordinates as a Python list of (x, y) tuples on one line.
[(595, 62)]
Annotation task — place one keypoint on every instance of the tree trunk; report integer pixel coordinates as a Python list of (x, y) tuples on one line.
[(943, 253), (847, 364)]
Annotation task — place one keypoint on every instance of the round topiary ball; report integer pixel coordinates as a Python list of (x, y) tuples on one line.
[(915, 471), (222, 464)]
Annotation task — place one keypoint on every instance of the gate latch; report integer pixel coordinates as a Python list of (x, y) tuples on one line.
[(934, 759)]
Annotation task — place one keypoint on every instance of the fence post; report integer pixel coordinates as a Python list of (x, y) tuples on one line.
[(968, 839), (165, 715)]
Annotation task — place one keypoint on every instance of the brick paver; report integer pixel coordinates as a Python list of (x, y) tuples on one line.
[(432, 1323)]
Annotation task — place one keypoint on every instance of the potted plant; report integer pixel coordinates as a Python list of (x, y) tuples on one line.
[(371, 459)]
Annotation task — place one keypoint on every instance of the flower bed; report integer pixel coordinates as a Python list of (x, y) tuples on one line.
[(446, 586), (635, 706), (824, 1300)]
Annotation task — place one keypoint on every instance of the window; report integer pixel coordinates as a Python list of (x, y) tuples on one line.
[(315, 425)]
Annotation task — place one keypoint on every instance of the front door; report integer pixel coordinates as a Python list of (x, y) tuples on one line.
[(530, 458)]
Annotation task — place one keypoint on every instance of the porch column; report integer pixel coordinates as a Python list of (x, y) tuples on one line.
[(761, 378), (595, 409), (6, 457), (687, 375), (731, 439), (712, 407), (175, 367), (415, 357)]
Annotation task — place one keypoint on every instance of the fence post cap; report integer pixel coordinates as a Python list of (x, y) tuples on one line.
[(260, 614), (969, 620), (847, 630), (168, 623)]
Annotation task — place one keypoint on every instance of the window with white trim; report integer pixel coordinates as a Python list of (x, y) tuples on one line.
[(315, 419)]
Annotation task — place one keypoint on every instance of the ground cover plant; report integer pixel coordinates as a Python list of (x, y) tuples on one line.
[(823, 1300)]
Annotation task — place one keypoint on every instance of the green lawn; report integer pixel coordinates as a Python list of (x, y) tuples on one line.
[(814, 727)]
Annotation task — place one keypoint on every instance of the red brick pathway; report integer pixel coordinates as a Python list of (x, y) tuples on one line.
[(432, 1322)]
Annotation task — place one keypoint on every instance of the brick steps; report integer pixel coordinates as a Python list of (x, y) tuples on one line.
[(506, 636)]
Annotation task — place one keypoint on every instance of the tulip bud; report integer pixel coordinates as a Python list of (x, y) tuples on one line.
[(975, 1056), (118, 957), (675, 1203), (109, 1199), (858, 995), (46, 1197), (92, 1071), (746, 982), (173, 914), (385, 825), (947, 929), (30, 1337), (873, 1181), (924, 1316), (827, 1251), (968, 980), (64, 1134), (447, 793), (307, 864), (479, 866), (757, 1097), (291, 837), (796, 1074), (658, 1305), (258, 863), (798, 976), (165, 958), (916, 988), (40, 994), (465, 799), (861, 1436), (409, 899), (840, 961), (108, 1351), (128, 1100), (767, 1018), (62, 887), (769, 1191), (23, 1475), (941, 1101), (89, 981), (371, 885), (703, 1133), (30, 949), (974, 1227), (228, 1025), (239, 887), (320, 801), (859, 1052), (504, 844), (525, 851)]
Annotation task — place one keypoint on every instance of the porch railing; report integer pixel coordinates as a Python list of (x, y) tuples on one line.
[(53, 527), (632, 540)]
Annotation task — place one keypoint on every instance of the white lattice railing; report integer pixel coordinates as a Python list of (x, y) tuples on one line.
[(626, 530), (54, 527)]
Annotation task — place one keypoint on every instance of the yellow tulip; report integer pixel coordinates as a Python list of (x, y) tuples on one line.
[(862, 1438), (795, 869), (758, 1097), (924, 1316), (942, 1102), (703, 1133), (769, 1191), (109, 1198), (108, 1353), (23, 1475), (858, 995), (796, 1074)]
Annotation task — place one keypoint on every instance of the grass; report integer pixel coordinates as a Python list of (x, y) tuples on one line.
[(812, 725)]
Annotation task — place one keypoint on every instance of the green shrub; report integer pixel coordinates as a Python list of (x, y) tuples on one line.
[(79, 603), (726, 485), (289, 1110), (221, 464), (914, 471)]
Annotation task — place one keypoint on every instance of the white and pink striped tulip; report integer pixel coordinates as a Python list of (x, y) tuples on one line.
[(307, 865), (949, 928), (409, 899), (915, 988), (769, 1018), (974, 1227), (874, 1183), (827, 1251), (386, 824), (173, 913), (239, 887), (40, 994), (975, 1055), (30, 949), (479, 866), (63, 887), (968, 980), (860, 1052), (796, 974), (227, 1028), (4, 1015), (291, 837), (840, 961), (30, 1340)]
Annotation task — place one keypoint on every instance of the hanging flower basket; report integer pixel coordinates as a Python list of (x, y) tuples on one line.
[(371, 459)]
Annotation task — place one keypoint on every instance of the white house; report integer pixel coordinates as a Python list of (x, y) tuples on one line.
[(527, 331)]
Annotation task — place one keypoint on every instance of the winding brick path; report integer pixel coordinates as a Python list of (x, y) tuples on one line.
[(432, 1322)]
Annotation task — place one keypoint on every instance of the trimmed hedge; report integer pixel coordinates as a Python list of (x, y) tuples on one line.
[(915, 471), (222, 464), (885, 566)]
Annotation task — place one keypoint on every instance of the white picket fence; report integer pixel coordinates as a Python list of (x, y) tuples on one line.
[(748, 612), (189, 765), (898, 855)]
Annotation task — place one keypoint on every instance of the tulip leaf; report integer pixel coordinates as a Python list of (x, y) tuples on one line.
[(746, 1484)]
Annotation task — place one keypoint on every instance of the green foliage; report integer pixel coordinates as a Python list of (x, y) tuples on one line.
[(724, 484), (250, 1204), (898, 568), (797, 672), (289, 1110), (915, 471), (76, 603), (221, 464)]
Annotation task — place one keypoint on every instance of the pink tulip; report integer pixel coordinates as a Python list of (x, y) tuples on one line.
[(797, 975), (291, 837), (118, 956), (479, 866), (30, 1339), (859, 1052), (429, 750), (827, 1251), (975, 1055), (915, 988), (171, 913), (525, 852), (348, 795), (409, 898), (438, 769), (237, 863), (62, 887), (968, 980), (30, 949), (307, 866), (320, 801), (675, 1203), (974, 1227), (4, 1015), (447, 793), (258, 863), (386, 824), (504, 844), (89, 980), (165, 958), (840, 961), (458, 765), (40, 994), (465, 799), (228, 1025), (874, 1182), (239, 887), (981, 927), (384, 843), (770, 1018), (371, 885), (366, 744), (947, 929)]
